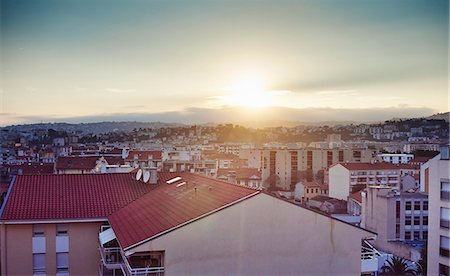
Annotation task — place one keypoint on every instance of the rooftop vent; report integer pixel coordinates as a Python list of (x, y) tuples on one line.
[(173, 180)]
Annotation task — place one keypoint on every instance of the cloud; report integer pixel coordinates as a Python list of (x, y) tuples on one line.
[(237, 114), (120, 90)]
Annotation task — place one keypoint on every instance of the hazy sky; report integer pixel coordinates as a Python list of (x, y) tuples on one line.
[(100, 60)]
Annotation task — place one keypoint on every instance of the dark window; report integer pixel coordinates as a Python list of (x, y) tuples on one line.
[(444, 249), (61, 229), (425, 220), (445, 217), (445, 190), (397, 231), (408, 205), (444, 270), (416, 235), (425, 205), (397, 209), (407, 235), (407, 220), (416, 205), (416, 220), (425, 235), (341, 156)]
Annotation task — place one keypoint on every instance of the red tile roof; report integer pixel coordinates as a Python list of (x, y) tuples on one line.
[(79, 196), (144, 155), (76, 162), (370, 166), (169, 206)]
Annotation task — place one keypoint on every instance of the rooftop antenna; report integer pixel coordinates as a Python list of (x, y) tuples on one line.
[(139, 174), (146, 176)]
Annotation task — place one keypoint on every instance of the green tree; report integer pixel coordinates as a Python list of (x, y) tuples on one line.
[(398, 266)]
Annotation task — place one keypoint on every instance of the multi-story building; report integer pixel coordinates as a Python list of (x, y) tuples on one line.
[(437, 183), (344, 178), (399, 218), (396, 158), (144, 159), (280, 168), (162, 226)]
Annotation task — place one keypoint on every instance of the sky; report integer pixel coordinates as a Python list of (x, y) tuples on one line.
[(217, 61)]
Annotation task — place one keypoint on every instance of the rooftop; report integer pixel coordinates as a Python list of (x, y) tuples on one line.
[(172, 205), (72, 196)]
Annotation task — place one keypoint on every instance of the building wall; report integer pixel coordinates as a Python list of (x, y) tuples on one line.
[(83, 248), (17, 258), (339, 182), (17, 248), (243, 240), (438, 171)]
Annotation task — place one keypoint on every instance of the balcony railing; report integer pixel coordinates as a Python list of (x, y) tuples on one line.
[(140, 271), (111, 257)]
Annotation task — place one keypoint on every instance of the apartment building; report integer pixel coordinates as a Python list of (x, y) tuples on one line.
[(91, 164), (396, 158), (399, 218), (144, 158), (181, 224), (280, 168), (344, 178), (437, 182)]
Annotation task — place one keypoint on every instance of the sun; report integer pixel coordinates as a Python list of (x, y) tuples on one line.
[(249, 90)]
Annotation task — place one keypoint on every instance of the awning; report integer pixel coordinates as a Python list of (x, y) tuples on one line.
[(106, 236)]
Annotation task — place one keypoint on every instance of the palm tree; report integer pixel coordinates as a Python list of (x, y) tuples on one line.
[(398, 266)]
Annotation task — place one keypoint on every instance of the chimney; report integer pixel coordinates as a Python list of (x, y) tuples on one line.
[(153, 175)]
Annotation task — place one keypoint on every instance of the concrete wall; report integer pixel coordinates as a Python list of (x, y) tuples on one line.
[(438, 171), (17, 257), (17, 253), (262, 236), (339, 182), (83, 253)]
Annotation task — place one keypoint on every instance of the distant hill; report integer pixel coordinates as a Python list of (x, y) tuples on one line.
[(440, 116)]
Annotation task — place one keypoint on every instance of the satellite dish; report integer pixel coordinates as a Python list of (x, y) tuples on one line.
[(146, 176), (139, 174)]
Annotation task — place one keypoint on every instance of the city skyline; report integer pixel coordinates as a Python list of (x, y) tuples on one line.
[(208, 61)]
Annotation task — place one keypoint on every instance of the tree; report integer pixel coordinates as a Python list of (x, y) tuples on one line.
[(398, 266)]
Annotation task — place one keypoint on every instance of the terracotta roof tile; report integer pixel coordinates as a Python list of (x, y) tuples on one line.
[(169, 206), (77, 196)]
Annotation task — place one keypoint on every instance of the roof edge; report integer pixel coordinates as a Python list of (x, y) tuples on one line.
[(7, 195), (45, 221), (191, 220)]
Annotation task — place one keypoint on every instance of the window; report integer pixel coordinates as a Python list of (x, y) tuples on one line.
[(425, 235), (445, 246), (407, 235), (38, 263), (61, 230), (425, 220), (397, 231), (38, 230), (416, 235), (416, 220), (445, 217), (425, 205), (62, 262), (407, 220), (416, 205), (445, 190), (408, 205), (444, 270), (397, 209)]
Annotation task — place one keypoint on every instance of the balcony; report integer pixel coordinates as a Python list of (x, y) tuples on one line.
[(111, 257), (371, 259)]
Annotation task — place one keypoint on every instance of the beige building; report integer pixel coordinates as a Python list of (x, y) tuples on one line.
[(280, 168), (438, 185), (345, 177), (399, 218)]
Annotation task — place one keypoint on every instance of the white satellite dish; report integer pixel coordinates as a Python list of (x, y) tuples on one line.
[(139, 174), (146, 176)]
